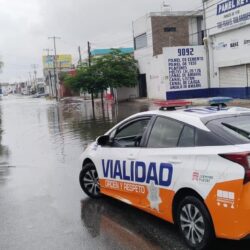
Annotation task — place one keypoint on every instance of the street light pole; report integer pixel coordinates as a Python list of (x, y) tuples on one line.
[(51, 91), (206, 43)]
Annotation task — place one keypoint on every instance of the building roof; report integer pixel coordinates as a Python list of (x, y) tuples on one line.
[(178, 13), (197, 13), (101, 52)]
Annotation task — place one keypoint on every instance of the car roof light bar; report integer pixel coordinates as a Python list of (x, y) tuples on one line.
[(172, 105), (220, 102)]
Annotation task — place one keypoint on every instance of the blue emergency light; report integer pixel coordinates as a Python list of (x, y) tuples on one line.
[(220, 101)]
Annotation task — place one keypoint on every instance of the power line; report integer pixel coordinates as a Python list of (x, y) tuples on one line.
[(47, 50)]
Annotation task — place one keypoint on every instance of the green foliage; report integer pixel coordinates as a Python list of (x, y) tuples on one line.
[(118, 69), (113, 70), (62, 76)]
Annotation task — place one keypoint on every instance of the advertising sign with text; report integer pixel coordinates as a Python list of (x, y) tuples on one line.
[(226, 15), (186, 67), (63, 61)]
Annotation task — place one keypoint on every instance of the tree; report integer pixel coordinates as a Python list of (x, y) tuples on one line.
[(113, 70), (119, 69)]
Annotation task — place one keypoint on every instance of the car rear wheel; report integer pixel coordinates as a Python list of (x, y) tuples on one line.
[(194, 223), (89, 181)]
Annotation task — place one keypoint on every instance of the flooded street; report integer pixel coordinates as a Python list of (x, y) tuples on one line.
[(41, 203)]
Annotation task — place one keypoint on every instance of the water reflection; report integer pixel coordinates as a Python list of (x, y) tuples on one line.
[(119, 226), (76, 120), (4, 152)]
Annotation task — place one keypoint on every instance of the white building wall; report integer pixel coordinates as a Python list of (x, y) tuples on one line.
[(146, 62), (143, 56), (125, 93), (155, 70), (228, 28), (231, 48), (143, 25), (155, 67), (193, 27), (156, 78)]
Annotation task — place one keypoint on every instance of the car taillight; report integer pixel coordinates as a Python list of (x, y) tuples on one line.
[(241, 158)]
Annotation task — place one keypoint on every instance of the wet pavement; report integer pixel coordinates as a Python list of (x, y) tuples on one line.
[(41, 203)]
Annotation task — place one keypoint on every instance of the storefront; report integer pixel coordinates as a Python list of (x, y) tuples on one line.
[(228, 28)]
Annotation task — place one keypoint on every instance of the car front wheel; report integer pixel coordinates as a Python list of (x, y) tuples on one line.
[(89, 180), (194, 223)]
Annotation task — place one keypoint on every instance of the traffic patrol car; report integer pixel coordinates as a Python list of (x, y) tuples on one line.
[(187, 166)]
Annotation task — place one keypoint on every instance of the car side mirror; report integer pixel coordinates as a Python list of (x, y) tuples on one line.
[(103, 140)]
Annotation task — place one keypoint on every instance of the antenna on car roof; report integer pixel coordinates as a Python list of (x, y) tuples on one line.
[(172, 105)]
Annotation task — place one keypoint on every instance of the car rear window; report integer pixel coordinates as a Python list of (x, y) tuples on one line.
[(235, 128), (240, 127)]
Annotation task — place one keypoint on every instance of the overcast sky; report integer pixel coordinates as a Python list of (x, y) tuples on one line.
[(27, 24)]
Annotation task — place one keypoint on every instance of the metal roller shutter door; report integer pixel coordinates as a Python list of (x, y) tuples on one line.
[(235, 76)]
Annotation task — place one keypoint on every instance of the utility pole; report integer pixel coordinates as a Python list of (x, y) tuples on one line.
[(206, 44), (48, 73), (80, 56), (92, 94), (55, 65), (89, 53), (34, 66), (30, 82)]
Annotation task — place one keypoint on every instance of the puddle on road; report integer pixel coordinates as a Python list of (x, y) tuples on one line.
[(39, 132), (40, 145)]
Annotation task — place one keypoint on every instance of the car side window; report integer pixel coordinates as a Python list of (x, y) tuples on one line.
[(165, 133), (187, 138), (130, 135)]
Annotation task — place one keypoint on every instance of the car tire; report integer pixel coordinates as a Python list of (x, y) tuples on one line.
[(89, 180), (195, 224)]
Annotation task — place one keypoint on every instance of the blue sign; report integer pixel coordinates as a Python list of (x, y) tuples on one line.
[(230, 5), (138, 171)]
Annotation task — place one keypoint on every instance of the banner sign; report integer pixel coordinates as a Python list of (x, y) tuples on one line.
[(63, 61), (186, 67), (230, 14), (230, 5)]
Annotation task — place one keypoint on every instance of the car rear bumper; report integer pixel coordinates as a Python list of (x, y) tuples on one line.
[(230, 216)]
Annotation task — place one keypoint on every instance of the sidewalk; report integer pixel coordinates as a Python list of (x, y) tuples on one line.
[(199, 101), (195, 101)]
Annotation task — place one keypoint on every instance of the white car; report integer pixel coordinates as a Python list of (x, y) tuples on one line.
[(187, 166)]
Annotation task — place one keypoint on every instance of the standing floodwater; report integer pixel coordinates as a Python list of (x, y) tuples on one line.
[(41, 203)]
